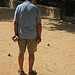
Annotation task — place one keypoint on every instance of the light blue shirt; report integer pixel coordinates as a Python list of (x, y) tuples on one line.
[(27, 15)]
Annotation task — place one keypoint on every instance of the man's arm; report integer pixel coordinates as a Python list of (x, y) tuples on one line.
[(39, 29), (38, 21), (16, 19), (16, 28)]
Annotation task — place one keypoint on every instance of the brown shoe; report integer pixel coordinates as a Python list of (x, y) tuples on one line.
[(33, 72), (20, 72)]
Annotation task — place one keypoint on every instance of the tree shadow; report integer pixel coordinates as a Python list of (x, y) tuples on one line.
[(6, 14), (60, 25)]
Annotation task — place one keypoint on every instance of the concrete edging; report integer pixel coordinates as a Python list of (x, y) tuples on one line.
[(50, 12)]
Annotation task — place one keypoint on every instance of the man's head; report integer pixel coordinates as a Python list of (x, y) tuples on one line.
[(28, 0)]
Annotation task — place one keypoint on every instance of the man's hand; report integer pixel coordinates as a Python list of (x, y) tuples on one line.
[(15, 38), (38, 40)]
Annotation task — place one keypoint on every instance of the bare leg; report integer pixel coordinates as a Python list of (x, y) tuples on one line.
[(31, 61), (21, 60)]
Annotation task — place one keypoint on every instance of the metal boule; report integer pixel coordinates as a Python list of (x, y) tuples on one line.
[(48, 44)]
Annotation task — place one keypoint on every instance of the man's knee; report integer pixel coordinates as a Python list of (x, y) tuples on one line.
[(21, 54), (31, 55)]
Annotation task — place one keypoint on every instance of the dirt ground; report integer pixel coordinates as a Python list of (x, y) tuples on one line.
[(56, 59)]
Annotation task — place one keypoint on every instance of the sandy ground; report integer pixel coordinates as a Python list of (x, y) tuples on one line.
[(56, 59)]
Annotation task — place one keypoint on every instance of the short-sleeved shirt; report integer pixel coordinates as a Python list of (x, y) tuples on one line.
[(27, 15)]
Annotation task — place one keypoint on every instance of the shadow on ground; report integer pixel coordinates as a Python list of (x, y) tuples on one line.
[(6, 14), (60, 25)]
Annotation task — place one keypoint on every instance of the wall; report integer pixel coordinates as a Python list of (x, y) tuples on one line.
[(50, 12)]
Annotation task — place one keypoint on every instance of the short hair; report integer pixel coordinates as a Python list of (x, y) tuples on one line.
[(23, 0)]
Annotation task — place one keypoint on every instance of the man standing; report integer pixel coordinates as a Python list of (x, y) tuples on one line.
[(27, 28)]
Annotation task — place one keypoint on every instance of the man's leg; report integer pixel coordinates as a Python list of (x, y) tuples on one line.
[(31, 61), (21, 60), (32, 48), (22, 49)]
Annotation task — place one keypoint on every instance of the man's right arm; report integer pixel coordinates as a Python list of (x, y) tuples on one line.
[(39, 29), (39, 26)]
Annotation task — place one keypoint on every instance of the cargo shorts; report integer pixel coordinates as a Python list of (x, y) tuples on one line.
[(29, 43)]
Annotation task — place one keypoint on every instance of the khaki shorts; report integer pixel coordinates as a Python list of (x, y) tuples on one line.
[(29, 43)]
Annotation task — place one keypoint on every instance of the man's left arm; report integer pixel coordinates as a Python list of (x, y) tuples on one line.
[(16, 19), (16, 30), (16, 27)]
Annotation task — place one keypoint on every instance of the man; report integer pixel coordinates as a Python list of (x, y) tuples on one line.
[(27, 28)]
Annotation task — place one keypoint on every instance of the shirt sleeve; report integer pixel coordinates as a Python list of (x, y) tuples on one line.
[(16, 15), (38, 18)]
